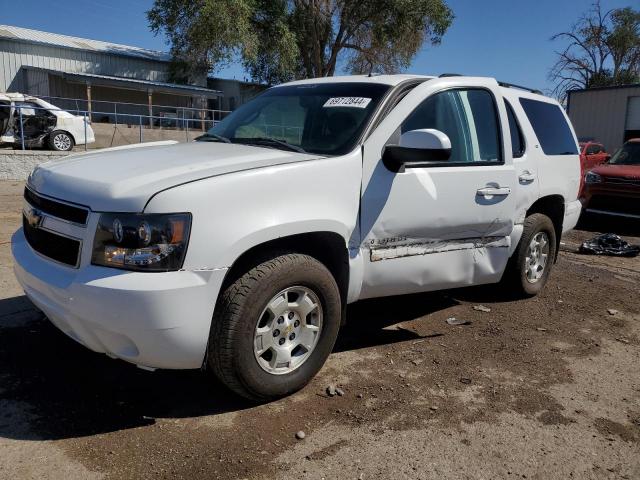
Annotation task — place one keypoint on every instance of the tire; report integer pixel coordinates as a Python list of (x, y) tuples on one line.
[(61, 141), (519, 275), (254, 301)]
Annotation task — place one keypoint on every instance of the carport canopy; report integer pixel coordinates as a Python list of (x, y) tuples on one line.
[(132, 83)]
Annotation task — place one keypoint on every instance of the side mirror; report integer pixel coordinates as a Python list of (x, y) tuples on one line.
[(417, 147)]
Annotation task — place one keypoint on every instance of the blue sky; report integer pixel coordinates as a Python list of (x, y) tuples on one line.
[(506, 39)]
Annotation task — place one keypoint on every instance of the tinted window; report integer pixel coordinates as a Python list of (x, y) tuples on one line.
[(517, 139), (319, 118), (550, 126), (467, 117)]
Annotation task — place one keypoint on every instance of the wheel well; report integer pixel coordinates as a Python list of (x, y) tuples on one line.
[(553, 207), (329, 248)]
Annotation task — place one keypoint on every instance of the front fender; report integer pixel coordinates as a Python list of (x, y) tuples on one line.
[(235, 212), (273, 232)]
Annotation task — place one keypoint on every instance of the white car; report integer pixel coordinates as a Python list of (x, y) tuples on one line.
[(239, 252), (43, 124)]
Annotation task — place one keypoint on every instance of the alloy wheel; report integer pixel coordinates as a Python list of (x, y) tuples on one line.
[(537, 257), (288, 330)]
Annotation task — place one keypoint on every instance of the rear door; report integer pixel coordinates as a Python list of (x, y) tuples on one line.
[(525, 156), (439, 225)]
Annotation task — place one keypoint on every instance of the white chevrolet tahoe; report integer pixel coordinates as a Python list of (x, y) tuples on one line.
[(240, 251)]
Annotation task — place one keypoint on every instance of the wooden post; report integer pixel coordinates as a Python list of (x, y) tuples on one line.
[(89, 100), (203, 104), (150, 95)]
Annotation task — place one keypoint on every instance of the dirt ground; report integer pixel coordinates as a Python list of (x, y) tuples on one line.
[(541, 388)]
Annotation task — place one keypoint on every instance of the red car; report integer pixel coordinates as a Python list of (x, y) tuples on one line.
[(613, 188), (592, 154)]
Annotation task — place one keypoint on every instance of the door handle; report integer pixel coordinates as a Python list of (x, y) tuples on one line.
[(526, 177), (494, 191)]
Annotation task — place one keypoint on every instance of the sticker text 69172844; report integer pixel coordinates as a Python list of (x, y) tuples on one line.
[(353, 102)]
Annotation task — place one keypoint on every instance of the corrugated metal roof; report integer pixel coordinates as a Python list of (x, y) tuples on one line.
[(36, 36), (610, 87)]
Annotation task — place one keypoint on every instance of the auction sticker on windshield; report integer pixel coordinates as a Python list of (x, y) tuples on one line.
[(354, 102)]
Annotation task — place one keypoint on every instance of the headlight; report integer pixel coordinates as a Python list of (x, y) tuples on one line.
[(150, 243), (591, 177)]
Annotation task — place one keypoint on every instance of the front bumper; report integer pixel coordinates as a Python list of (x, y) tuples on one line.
[(154, 320), (615, 200)]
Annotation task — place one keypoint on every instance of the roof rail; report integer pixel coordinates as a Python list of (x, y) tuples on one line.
[(502, 84), (520, 87)]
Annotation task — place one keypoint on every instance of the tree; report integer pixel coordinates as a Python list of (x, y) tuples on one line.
[(279, 40), (203, 33), (603, 49)]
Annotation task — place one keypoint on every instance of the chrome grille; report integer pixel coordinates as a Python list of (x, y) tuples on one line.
[(64, 211)]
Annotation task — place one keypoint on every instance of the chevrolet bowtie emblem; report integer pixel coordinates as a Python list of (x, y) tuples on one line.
[(34, 217)]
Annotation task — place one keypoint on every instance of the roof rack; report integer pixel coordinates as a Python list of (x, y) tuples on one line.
[(502, 84), (520, 87)]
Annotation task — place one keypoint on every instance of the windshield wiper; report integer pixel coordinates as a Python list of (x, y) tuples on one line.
[(212, 137), (273, 141)]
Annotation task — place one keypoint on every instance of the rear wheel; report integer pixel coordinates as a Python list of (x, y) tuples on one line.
[(274, 327), (530, 265), (60, 141)]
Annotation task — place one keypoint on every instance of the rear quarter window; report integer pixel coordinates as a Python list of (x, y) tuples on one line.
[(550, 126)]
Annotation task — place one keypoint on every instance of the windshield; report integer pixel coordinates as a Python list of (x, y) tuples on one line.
[(629, 154), (322, 118)]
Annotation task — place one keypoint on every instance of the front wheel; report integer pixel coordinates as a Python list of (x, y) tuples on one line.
[(530, 265), (274, 327)]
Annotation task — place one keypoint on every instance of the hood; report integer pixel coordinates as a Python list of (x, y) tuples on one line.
[(624, 171), (123, 179)]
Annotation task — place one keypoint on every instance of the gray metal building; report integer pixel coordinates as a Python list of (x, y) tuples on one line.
[(609, 115), (101, 76)]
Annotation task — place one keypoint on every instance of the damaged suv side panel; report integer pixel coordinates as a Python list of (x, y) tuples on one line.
[(419, 233)]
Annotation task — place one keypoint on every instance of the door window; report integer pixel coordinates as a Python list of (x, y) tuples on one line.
[(29, 109), (517, 138), (468, 117)]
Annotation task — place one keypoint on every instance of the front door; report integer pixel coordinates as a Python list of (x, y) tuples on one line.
[(439, 225)]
